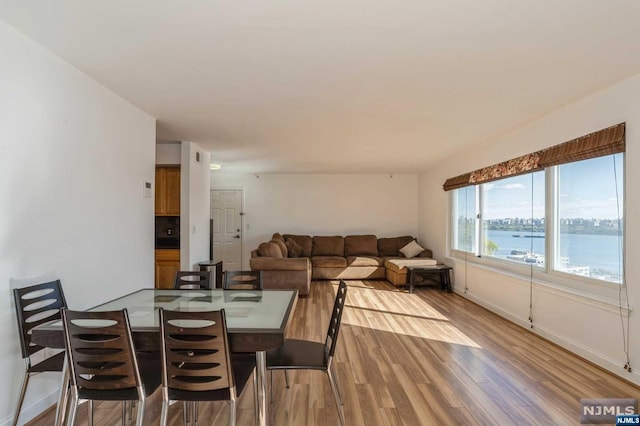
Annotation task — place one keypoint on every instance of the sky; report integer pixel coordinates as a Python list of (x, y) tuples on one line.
[(587, 189)]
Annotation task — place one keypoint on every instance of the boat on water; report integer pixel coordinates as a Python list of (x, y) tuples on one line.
[(526, 257), (527, 236)]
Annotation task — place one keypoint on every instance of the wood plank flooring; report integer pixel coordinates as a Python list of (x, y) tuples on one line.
[(428, 358)]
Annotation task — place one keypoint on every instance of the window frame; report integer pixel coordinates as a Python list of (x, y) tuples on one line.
[(547, 274)]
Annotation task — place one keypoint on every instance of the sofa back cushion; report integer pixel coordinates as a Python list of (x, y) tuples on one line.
[(303, 241), (328, 246), (390, 246), (293, 248), (360, 245)]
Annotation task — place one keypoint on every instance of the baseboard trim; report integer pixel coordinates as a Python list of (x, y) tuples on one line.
[(577, 349), (32, 411)]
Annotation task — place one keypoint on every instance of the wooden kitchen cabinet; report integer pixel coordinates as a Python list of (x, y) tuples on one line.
[(167, 264), (167, 191)]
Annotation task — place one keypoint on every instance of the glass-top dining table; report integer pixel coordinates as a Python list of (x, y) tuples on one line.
[(257, 321)]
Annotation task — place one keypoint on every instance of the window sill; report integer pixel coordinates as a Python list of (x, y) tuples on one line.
[(591, 290)]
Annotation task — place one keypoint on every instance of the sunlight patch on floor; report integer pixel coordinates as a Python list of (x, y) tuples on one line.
[(401, 313)]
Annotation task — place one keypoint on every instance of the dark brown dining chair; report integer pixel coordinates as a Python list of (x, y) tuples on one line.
[(309, 355), (36, 305), (192, 280), (242, 280), (196, 364), (102, 362), (216, 272)]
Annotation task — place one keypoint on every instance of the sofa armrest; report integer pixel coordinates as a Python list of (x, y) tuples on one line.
[(279, 263)]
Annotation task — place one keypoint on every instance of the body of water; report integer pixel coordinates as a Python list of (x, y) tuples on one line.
[(598, 252)]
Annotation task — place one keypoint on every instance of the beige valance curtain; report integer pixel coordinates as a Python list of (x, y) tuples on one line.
[(597, 144)]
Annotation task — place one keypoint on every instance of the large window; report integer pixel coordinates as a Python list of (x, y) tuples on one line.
[(589, 218), (566, 219), (513, 225), (464, 214)]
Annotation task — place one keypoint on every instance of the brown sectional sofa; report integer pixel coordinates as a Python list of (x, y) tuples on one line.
[(292, 261)]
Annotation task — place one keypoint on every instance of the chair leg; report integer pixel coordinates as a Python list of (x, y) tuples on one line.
[(336, 395), (164, 413), (332, 366), (140, 414), (124, 413), (63, 396), (232, 410), (185, 413), (73, 409), (23, 390), (286, 378), (270, 384), (90, 412), (195, 412)]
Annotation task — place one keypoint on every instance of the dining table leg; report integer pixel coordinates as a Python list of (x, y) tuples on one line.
[(61, 408), (260, 390)]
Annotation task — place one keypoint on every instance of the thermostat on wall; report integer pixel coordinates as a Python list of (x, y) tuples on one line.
[(146, 189)]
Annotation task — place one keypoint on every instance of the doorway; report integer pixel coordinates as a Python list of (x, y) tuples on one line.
[(226, 216)]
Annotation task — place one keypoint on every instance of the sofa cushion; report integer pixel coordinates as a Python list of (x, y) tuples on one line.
[(412, 249), (360, 245), (269, 249), (425, 253), (304, 241), (399, 265), (328, 246), (294, 249), (282, 245), (278, 264), (391, 246), (328, 262), (364, 261)]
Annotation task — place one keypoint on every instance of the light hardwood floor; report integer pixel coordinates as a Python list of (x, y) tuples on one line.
[(428, 358)]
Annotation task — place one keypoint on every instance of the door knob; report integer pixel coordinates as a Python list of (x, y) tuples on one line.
[(236, 236)]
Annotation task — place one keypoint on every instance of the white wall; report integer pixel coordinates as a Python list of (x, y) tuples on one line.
[(588, 327), (323, 205), (195, 204), (74, 159), (168, 153)]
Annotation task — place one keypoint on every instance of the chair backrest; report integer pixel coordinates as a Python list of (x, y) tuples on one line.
[(192, 280), (100, 351), (336, 319), (217, 275), (242, 280), (35, 305), (195, 351), (216, 272)]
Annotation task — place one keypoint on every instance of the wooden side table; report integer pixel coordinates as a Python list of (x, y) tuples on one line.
[(441, 271)]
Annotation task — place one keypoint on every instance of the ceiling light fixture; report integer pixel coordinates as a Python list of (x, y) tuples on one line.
[(215, 166)]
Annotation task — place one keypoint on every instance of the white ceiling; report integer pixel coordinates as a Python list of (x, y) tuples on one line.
[(349, 86)]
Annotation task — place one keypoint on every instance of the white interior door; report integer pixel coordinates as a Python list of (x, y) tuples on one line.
[(226, 212)]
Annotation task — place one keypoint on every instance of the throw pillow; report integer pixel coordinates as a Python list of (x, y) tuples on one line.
[(263, 249), (295, 249), (412, 249), (269, 250)]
